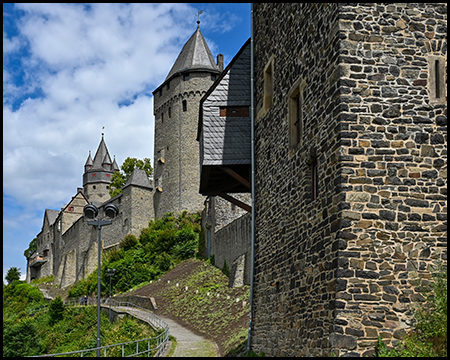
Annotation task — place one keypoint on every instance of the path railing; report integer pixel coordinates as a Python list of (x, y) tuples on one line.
[(153, 346)]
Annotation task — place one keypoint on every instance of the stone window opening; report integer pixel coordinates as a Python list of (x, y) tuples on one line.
[(162, 117), (314, 179), (313, 176), (170, 112), (185, 77), (268, 84), (436, 79), (296, 115), (184, 105)]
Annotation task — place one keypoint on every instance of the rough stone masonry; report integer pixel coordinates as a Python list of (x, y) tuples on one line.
[(351, 172)]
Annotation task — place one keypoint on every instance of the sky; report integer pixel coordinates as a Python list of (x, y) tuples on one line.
[(73, 71)]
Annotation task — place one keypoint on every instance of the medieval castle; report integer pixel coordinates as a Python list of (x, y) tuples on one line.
[(347, 161)]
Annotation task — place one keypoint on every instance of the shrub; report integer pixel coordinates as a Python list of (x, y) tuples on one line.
[(129, 242), (429, 338), (21, 339), (56, 311), (225, 268)]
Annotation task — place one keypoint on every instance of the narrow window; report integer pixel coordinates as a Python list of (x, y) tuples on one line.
[(314, 180), (170, 112), (234, 111), (438, 79), (185, 77), (268, 85), (295, 114), (162, 117), (168, 85), (184, 105), (213, 77)]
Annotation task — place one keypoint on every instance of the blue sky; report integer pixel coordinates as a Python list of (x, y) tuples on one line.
[(71, 69)]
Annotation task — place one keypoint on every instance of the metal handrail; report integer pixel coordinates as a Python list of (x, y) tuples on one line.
[(161, 340)]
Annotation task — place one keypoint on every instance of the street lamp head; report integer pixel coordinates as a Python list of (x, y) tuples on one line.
[(90, 211), (111, 210)]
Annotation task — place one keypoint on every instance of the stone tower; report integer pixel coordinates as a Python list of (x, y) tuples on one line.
[(176, 106), (98, 174)]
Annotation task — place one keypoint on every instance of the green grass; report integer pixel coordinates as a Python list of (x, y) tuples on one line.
[(217, 315)]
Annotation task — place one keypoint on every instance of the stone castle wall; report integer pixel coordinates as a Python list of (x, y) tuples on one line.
[(333, 273), (77, 249)]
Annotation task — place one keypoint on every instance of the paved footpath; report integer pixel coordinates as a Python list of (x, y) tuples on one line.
[(188, 343)]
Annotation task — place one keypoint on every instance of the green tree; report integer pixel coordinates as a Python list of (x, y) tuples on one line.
[(12, 274), (32, 247), (56, 310), (119, 178)]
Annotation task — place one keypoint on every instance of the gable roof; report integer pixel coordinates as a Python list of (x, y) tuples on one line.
[(51, 216)]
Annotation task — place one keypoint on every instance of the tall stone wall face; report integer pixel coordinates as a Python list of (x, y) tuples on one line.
[(295, 243), (334, 273), (177, 164), (231, 242), (394, 167)]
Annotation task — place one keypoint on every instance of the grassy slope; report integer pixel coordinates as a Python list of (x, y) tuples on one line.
[(208, 306)]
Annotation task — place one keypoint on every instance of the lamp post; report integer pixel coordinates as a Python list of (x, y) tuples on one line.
[(91, 212), (110, 274)]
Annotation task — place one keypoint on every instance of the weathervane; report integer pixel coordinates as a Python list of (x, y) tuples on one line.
[(198, 18)]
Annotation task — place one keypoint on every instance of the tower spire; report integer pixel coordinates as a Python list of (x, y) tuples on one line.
[(198, 18)]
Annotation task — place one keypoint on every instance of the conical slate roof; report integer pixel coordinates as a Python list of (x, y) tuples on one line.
[(138, 178), (89, 161), (195, 55), (115, 167), (100, 155)]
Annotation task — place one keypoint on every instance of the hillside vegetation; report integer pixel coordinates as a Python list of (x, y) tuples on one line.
[(196, 295), (59, 328), (137, 260)]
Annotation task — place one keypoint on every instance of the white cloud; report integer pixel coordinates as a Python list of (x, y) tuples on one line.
[(86, 60)]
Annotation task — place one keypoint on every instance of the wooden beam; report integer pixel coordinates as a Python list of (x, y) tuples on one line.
[(236, 202), (235, 176)]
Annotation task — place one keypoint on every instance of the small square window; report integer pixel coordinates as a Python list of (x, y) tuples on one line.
[(185, 77)]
